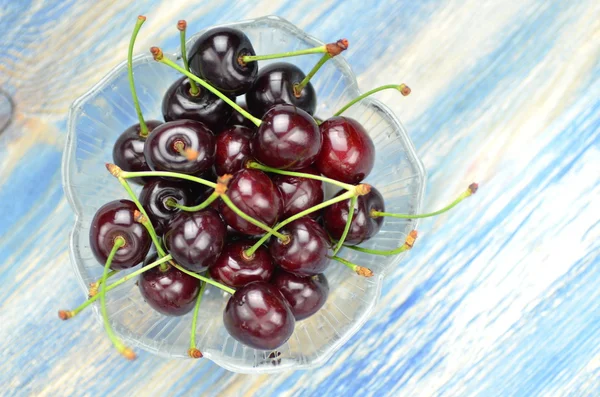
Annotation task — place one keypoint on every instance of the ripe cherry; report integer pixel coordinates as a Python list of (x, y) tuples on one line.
[(235, 269), (170, 292), (258, 316), (184, 146), (305, 295), (347, 153), (178, 103), (274, 85), (232, 150), (254, 193), (237, 118), (363, 226), (299, 193), (154, 197), (128, 151), (306, 254), (116, 219), (288, 138), (195, 239), (215, 57)]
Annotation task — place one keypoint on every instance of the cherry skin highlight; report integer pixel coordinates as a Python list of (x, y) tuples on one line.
[(116, 219), (128, 151), (274, 85), (235, 269), (305, 295), (172, 292), (195, 239), (288, 138), (347, 153), (164, 147), (299, 193), (178, 103), (363, 226), (258, 316), (232, 150), (306, 254), (215, 57), (254, 193)]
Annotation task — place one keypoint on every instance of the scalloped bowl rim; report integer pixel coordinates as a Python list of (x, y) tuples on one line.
[(371, 102)]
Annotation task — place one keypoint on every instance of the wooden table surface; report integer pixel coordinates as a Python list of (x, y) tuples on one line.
[(499, 297)]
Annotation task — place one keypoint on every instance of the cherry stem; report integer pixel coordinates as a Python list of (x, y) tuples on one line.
[(258, 166), (349, 194), (360, 270), (158, 56), (119, 173), (182, 26), (300, 86), (172, 203), (248, 218), (96, 284), (408, 244), (469, 192), (340, 243), (404, 89), (79, 309), (205, 279), (145, 221), (121, 348), (315, 50), (193, 351), (136, 103)]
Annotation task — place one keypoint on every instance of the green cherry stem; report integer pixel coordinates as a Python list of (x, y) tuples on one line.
[(333, 49), (340, 243), (193, 351), (248, 218), (258, 166), (159, 56), (67, 314), (118, 172), (143, 219), (136, 103), (252, 58), (469, 192), (408, 244), (206, 279), (96, 284), (356, 191), (360, 270), (172, 203), (121, 348), (404, 89), (182, 26)]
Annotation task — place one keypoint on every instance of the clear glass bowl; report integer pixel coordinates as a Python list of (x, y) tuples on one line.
[(98, 117)]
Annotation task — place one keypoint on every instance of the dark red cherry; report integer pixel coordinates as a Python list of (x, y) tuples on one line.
[(274, 85), (236, 117), (172, 292), (288, 138), (164, 147), (215, 57), (363, 226), (235, 269), (298, 193), (258, 316), (347, 153), (305, 295), (116, 219), (195, 239), (178, 103), (253, 192), (233, 149), (154, 198), (128, 151), (306, 254)]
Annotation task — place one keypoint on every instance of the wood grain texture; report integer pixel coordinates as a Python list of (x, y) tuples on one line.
[(499, 297)]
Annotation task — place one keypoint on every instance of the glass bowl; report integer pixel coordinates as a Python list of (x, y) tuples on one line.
[(98, 118)]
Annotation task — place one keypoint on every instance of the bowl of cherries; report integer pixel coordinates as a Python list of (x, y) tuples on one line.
[(238, 199)]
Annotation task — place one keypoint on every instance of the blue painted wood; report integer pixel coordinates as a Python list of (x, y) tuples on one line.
[(499, 297)]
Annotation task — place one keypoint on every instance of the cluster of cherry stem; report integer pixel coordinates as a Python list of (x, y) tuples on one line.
[(99, 288)]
